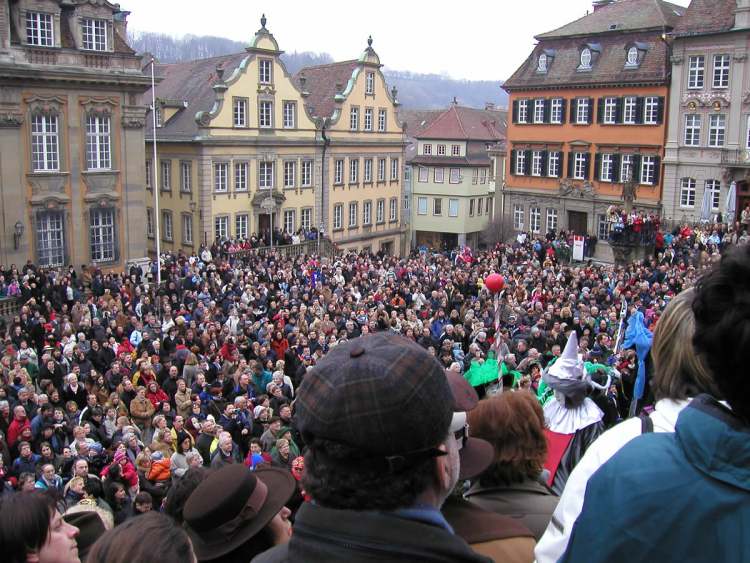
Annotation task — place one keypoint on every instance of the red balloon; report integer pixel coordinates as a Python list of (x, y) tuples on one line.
[(494, 283)]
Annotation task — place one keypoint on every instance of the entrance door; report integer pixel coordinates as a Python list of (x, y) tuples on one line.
[(264, 223), (578, 222)]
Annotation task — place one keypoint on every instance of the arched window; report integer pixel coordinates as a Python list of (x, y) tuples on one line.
[(542, 63), (586, 58), (632, 59)]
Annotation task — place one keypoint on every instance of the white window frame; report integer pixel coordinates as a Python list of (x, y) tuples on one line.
[(441, 150), (338, 216), (651, 110), (221, 177), (338, 174), (45, 142), (394, 169), (523, 111), (437, 206), (366, 213), (290, 220), (631, 58), (717, 129), (520, 163), (305, 218), (556, 111), (50, 238), (186, 177), (265, 71), (380, 211), (609, 116), (149, 175), (541, 64), (472, 203), (518, 217), (607, 167), (423, 174), (579, 166), (306, 173), (149, 222), (168, 227), (241, 173), (187, 228), (648, 170), (455, 150), (290, 174), (103, 235), (438, 175), (382, 115), (354, 119), (221, 227), (427, 148), (241, 225), (536, 163), (354, 170), (421, 205), (714, 188), (539, 111), (585, 58), (98, 142), (265, 175), (692, 134), (626, 167), (289, 120), (367, 174), (602, 226), (368, 119), (629, 104), (454, 176), (393, 209), (94, 34), (535, 219), (40, 29), (551, 219), (265, 114), (721, 70), (553, 164), (381, 170), (353, 210), (239, 112), (166, 175), (370, 83), (687, 193), (696, 72), (582, 111)]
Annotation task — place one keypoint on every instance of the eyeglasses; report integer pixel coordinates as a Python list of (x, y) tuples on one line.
[(462, 436)]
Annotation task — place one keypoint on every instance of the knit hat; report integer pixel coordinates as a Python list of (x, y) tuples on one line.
[(157, 456), (119, 455)]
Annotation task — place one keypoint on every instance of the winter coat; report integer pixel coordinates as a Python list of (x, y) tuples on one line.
[(160, 470), (183, 403), (141, 410), (671, 497)]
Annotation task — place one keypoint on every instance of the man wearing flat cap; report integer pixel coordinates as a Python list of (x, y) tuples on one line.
[(376, 415)]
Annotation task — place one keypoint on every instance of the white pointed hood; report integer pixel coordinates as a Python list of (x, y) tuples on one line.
[(568, 365)]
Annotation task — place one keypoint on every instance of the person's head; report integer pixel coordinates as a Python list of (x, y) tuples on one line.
[(143, 502), (249, 505), (81, 468), (679, 372), (256, 447), (141, 539), (31, 529), (384, 433), (514, 424), (181, 490), (26, 482), (722, 318)]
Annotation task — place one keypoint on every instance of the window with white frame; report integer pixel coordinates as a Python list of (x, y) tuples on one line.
[(518, 217), (167, 232), (241, 225), (721, 71), (607, 167), (651, 110), (240, 112), (407, 197), (381, 120), (441, 150), (393, 209), (717, 124), (290, 220), (221, 173), (265, 114), (421, 205), (437, 206), (306, 173), (149, 222), (353, 214), (370, 83), (289, 115), (472, 203), (367, 213), (394, 168), (480, 201), (714, 189), (602, 229), (157, 116), (626, 167), (551, 219), (475, 176), (454, 176), (423, 175), (610, 111), (582, 110), (353, 170), (380, 211), (427, 148), (539, 111), (535, 219), (39, 29), (338, 216), (265, 71), (692, 129), (483, 176), (520, 163), (632, 57), (354, 119), (306, 218), (580, 161), (696, 71), (149, 175), (368, 119), (368, 171), (50, 238), (648, 170), (221, 227), (455, 150), (536, 163), (439, 175), (44, 142), (687, 192), (98, 146), (102, 234), (452, 207), (556, 110), (166, 176), (94, 34), (338, 175), (381, 170), (553, 164), (265, 175), (240, 176), (523, 111), (187, 228), (290, 173), (186, 177), (585, 58), (628, 110)]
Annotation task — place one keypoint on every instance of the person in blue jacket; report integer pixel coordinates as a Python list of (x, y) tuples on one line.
[(685, 496)]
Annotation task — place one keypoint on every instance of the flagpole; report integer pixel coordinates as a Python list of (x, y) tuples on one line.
[(154, 168)]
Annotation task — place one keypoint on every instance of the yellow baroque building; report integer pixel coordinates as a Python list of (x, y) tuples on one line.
[(243, 145)]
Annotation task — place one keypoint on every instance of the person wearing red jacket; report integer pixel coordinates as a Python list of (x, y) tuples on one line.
[(279, 344), (156, 394), (20, 422)]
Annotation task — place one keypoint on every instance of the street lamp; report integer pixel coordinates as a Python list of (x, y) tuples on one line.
[(269, 205), (17, 234), (154, 168)]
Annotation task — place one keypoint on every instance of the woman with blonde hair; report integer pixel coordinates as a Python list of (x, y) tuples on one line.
[(679, 375)]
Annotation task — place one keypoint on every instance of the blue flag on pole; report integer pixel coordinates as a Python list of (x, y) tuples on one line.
[(638, 336)]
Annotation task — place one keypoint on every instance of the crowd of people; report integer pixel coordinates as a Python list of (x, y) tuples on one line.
[(201, 418)]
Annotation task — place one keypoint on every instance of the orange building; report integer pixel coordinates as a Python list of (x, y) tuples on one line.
[(588, 113)]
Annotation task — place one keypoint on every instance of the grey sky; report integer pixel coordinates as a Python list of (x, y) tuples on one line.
[(472, 39)]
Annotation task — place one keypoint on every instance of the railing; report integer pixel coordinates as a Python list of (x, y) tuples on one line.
[(324, 247), (10, 307), (737, 157)]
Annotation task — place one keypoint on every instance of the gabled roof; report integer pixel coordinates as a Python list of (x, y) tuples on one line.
[(462, 123), (706, 16), (321, 82), (193, 82), (621, 15)]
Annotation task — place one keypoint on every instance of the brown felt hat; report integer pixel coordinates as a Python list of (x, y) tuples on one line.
[(232, 505)]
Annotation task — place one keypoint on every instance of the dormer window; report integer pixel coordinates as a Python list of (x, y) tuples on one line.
[(39, 29), (94, 34), (370, 83), (541, 65), (585, 58), (632, 59), (264, 71)]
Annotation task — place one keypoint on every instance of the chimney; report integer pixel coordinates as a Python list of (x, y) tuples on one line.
[(742, 14), (599, 4), (488, 106)]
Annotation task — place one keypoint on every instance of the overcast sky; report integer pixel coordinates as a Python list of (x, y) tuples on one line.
[(472, 39)]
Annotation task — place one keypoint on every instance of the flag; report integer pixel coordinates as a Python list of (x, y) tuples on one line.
[(638, 336)]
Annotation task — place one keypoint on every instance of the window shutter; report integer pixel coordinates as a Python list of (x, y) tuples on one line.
[(590, 116), (571, 158), (560, 156), (513, 154), (637, 168), (657, 164), (563, 111), (527, 162), (600, 111), (545, 155), (618, 109), (660, 110), (573, 109), (587, 166), (598, 166), (639, 109), (515, 111), (616, 161), (547, 110)]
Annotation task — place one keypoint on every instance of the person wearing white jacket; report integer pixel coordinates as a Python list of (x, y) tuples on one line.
[(679, 375)]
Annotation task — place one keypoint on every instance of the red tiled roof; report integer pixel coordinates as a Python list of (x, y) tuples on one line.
[(466, 124), (706, 16), (321, 83)]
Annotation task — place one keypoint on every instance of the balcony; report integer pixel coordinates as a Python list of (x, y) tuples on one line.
[(737, 157)]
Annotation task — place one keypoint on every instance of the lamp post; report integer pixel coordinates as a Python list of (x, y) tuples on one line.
[(269, 205), (157, 235)]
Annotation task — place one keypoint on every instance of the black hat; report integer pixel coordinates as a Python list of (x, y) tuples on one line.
[(90, 528), (232, 505)]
